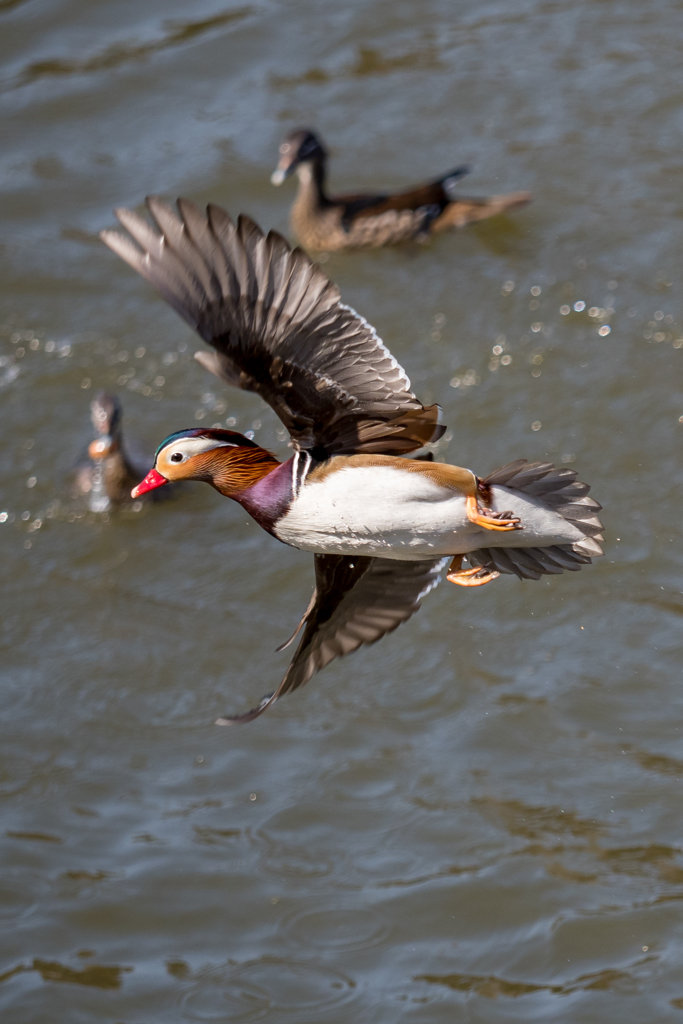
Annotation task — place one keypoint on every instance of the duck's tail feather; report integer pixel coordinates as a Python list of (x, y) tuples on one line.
[(449, 180), (562, 493), (464, 210)]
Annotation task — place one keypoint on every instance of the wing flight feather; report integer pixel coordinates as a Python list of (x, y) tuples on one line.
[(357, 600), (279, 328)]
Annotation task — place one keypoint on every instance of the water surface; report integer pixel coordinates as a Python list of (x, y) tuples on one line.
[(477, 820)]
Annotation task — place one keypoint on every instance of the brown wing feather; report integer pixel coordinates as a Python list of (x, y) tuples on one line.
[(434, 194), (357, 600), (278, 328)]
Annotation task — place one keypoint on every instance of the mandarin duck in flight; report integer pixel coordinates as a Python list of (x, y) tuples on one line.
[(323, 222), (381, 525)]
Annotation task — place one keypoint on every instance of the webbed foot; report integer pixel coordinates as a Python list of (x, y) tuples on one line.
[(477, 576), (502, 521)]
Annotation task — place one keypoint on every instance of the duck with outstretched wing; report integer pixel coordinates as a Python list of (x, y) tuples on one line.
[(381, 525)]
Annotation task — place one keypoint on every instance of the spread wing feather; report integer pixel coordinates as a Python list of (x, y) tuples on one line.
[(278, 328), (356, 601)]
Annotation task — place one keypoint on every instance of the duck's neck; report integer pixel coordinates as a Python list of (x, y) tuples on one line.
[(312, 195), (237, 470), (118, 475), (270, 497), (112, 478)]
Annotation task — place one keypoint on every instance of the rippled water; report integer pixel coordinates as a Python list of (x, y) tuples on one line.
[(478, 819)]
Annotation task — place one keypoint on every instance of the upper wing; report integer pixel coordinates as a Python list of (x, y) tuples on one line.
[(278, 328), (356, 601)]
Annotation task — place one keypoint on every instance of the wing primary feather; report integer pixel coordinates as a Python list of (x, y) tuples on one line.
[(249, 716), (357, 600), (279, 328), (302, 620), (176, 235)]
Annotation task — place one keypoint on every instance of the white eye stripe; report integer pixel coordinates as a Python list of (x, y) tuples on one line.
[(189, 446)]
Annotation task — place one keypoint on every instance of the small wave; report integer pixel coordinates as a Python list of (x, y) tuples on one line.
[(119, 54)]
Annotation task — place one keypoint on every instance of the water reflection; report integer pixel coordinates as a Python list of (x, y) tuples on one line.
[(94, 975), (490, 987), (281, 986)]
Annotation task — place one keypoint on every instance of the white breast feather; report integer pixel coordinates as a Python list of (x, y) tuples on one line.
[(379, 510)]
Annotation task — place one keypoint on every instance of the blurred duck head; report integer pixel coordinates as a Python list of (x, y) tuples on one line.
[(301, 147), (105, 412)]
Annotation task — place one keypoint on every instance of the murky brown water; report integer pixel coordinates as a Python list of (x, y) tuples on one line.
[(479, 819)]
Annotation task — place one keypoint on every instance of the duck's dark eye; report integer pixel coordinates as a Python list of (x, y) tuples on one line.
[(176, 457)]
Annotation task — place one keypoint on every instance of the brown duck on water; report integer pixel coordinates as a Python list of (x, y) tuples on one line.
[(322, 222), (109, 475)]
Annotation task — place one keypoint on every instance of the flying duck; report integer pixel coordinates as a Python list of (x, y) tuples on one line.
[(109, 474), (381, 525), (323, 222)]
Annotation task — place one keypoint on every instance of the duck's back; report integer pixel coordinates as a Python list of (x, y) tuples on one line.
[(356, 221), (360, 220)]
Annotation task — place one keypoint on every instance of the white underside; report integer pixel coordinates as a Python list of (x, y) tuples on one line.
[(391, 513)]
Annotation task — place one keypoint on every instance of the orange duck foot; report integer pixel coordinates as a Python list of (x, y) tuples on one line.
[(477, 576), (493, 520)]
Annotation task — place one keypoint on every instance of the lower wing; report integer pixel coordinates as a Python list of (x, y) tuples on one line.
[(357, 600)]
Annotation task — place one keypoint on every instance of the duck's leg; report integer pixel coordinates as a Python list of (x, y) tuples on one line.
[(474, 491), (477, 576), (489, 520)]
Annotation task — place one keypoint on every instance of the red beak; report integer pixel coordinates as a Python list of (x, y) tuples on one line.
[(150, 483)]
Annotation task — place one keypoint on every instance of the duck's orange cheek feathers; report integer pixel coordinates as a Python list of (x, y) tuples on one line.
[(150, 483)]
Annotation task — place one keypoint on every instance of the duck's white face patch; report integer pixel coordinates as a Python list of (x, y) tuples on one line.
[(187, 447)]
